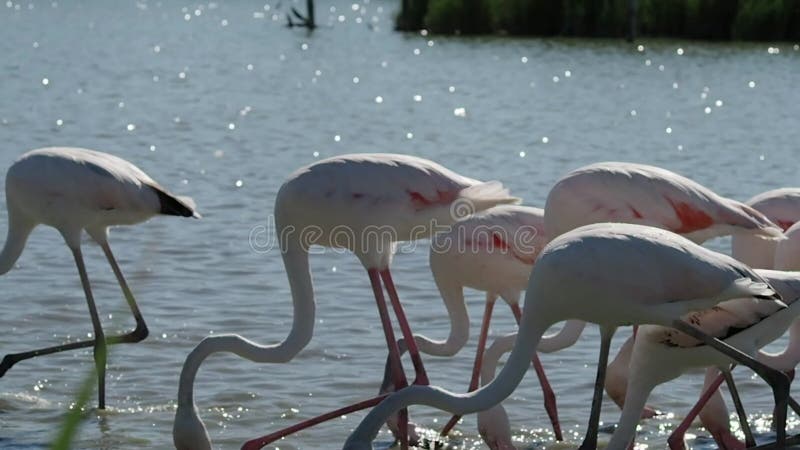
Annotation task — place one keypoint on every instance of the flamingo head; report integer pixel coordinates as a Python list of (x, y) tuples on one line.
[(494, 427), (188, 431), (393, 423)]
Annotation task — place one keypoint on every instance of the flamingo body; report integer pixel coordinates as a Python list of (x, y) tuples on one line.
[(662, 353), (72, 190), (647, 195)]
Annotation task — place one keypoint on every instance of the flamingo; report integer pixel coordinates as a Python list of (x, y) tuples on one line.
[(648, 195), (634, 274), (72, 190), (711, 407), (491, 251), (362, 202), (661, 354), (782, 207)]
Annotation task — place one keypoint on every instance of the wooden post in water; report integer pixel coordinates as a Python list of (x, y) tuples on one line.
[(310, 19), (631, 21)]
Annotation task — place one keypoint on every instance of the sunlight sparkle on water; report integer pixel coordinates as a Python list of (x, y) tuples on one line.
[(379, 99)]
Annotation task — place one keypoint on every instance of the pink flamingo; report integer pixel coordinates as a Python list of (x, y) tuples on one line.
[(633, 274), (365, 203), (647, 195), (492, 251), (635, 193), (782, 207), (72, 190)]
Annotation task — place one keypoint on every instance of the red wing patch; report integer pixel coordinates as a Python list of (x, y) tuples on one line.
[(784, 224), (692, 219), (420, 202)]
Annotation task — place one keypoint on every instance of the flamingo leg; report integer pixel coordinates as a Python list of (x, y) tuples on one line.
[(737, 402), (476, 367), (100, 351), (137, 335), (590, 441), (413, 351), (257, 443), (549, 396), (676, 439), (398, 375), (775, 378)]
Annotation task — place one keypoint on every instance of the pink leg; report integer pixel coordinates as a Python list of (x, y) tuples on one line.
[(398, 374), (257, 443), (675, 440), (549, 396), (476, 367), (413, 351)]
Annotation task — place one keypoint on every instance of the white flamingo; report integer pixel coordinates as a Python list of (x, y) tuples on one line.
[(711, 407), (782, 207), (75, 190), (661, 353), (633, 275), (365, 203)]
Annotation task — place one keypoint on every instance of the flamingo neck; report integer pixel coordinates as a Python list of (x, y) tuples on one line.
[(453, 297), (640, 384), (297, 269), (567, 336), (788, 358), (18, 231), (530, 332)]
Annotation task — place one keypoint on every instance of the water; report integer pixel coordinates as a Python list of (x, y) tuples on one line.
[(221, 101)]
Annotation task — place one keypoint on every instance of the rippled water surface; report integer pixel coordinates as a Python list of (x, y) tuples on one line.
[(222, 101)]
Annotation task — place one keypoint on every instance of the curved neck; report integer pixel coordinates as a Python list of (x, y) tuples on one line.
[(453, 297), (788, 358), (534, 324), (567, 336), (18, 231), (297, 269), (640, 383), (493, 354)]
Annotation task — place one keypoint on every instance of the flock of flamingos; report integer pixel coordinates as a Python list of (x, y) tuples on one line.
[(617, 244)]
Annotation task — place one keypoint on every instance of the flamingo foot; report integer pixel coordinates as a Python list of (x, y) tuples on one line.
[(649, 412), (727, 441)]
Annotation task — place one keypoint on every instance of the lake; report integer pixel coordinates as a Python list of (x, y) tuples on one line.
[(221, 101)]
